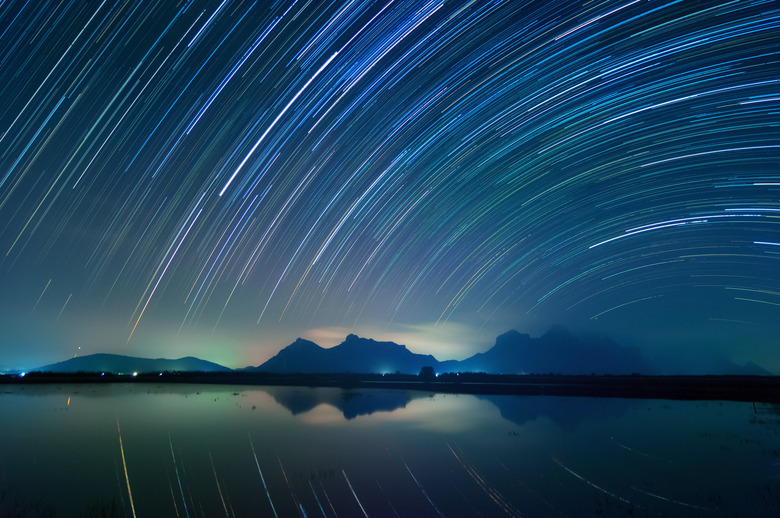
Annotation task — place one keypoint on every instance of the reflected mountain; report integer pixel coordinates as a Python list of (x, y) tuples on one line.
[(566, 412), (351, 403)]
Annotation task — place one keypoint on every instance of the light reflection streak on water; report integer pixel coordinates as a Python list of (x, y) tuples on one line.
[(382, 490), (354, 494), (425, 494), (173, 496), (591, 484), (178, 479), (328, 499), (634, 450), (494, 495), (317, 499), (525, 486), (648, 493), (262, 478), (292, 491), (124, 464), (219, 488)]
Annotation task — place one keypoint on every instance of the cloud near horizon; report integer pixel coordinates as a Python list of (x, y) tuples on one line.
[(450, 341)]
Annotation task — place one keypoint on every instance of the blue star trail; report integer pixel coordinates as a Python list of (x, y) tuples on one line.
[(218, 178)]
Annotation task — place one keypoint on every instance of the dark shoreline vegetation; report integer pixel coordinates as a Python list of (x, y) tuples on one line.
[(727, 388)]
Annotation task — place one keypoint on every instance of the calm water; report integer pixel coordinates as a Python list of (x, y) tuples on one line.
[(194, 450)]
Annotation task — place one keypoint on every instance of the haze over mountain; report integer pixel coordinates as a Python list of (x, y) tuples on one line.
[(116, 364)]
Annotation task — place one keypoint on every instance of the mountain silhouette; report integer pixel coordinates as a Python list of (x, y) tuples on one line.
[(676, 365), (557, 351), (118, 364), (353, 355)]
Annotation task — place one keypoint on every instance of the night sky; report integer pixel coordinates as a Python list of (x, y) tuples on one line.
[(218, 178)]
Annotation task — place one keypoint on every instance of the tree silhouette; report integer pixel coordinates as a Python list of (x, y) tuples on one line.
[(427, 373)]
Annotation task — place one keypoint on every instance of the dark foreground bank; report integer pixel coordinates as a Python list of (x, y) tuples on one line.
[(728, 388)]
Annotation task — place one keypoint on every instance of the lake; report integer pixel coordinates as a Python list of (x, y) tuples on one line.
[(206, 450)]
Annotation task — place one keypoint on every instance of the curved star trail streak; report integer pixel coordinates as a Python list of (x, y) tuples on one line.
[(216, 178)]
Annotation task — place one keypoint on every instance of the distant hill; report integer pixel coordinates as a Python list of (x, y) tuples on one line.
[(355, 355), (116, 364), (700, 366), (557, 351), (750, 369)]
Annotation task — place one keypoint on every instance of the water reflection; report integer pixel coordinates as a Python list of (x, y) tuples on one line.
[(566, 412), (178, 450), (350, 402)]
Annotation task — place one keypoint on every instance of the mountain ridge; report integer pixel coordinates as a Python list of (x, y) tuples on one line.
[(353, 355), (557, 351), (117, 363)]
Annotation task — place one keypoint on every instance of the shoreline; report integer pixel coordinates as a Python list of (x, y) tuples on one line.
[(764, 389)]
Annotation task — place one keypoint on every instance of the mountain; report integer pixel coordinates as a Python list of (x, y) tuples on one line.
[(300, 356), (355, 354), (557, 351), (117, 364), (702, 366), (514, 353), (751, 369)]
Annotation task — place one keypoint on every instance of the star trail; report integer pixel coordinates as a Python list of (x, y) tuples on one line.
[(218, 178)]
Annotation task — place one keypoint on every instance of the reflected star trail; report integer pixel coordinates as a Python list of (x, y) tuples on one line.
[(218, 178)]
